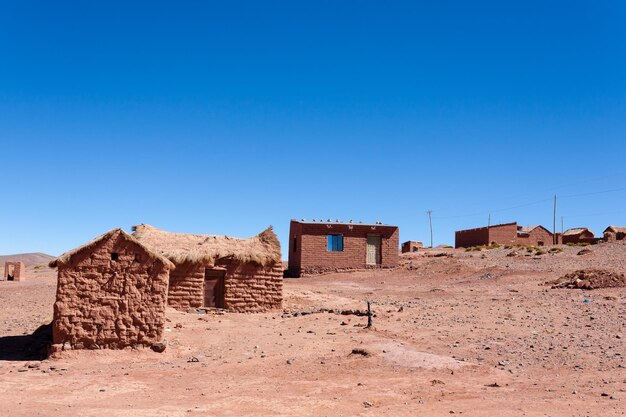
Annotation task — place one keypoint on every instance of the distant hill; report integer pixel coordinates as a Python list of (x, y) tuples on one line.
[(29, 259)]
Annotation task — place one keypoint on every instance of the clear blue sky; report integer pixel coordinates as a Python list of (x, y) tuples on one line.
[(227, 117)]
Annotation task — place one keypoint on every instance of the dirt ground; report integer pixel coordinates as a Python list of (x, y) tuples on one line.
[(466, 333)]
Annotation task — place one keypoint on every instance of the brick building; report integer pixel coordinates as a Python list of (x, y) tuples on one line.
[(411, 246), (535, 236), (14, 271), (235, 274), (318, 246), (614, 233), (579, 235), (111, 293), (503, 234)]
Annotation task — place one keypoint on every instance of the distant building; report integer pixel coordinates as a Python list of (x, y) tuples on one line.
[(503, 234), (535, 235), (614, 233), (327, 246), (14, 271), (411, 246), (579, 235)]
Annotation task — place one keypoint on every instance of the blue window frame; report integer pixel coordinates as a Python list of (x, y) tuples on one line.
[(335, 243)]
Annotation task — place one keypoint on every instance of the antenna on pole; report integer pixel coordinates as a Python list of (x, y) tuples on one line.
[(554, 238), (430, 222), (489, 221)]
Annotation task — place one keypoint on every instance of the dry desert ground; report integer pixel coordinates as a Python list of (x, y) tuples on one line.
[(454, 333)]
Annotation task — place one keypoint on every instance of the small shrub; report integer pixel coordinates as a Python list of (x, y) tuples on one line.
[(555, 250), (540, 252)]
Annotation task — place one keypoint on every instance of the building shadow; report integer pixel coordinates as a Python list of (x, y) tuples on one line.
[(27, 347)]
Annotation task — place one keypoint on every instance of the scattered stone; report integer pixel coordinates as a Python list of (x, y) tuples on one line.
[(494, 385), (367, 404), (159, 347), (361, 351)]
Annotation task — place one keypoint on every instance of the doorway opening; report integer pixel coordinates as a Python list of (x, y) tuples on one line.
[(214, 287)]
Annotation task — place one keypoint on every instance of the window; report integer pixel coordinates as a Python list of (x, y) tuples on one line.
[(335, 243), (114, 256)]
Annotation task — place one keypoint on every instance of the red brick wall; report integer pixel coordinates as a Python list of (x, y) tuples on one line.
[(471, 237), (312, 255), (503, 234)]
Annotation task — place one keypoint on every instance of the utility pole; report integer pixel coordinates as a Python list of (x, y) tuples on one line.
[(489, 221), (554, 239), (430, 222)]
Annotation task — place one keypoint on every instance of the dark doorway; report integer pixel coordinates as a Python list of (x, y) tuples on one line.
[(214, 287)]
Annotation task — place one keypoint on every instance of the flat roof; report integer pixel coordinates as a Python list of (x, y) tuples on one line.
[(348, 223)]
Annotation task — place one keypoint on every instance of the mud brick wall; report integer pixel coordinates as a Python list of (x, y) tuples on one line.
[(249, 287), (19, 271), (186, 286), (110, 303), (411, 246), (312, 255)]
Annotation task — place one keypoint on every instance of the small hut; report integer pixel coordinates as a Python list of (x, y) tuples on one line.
[(111, 293), (235, 274), (14, 271), (411, 246), (614, 233), (579, 235)]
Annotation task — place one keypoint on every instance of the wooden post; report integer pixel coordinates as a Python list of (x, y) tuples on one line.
[(430, 222), (554, 239), (369, 315)]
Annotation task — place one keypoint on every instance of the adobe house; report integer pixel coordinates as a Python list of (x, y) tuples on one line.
[(411, 246), (535, 235), (111, 293), (244, 275), (317, 247), (614, 233), (14, 271), (503, 234), (579, 235)]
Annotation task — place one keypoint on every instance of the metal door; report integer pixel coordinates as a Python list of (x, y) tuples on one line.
[(373, 250)]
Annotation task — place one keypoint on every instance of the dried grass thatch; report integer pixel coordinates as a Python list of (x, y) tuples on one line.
[(576, 231), (262, 249), (67, 256), (615, 229)]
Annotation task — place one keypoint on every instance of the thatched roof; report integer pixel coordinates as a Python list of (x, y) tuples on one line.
[(262, 249), (67, 256), (576, 231), (615, 229), (529, 229)]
